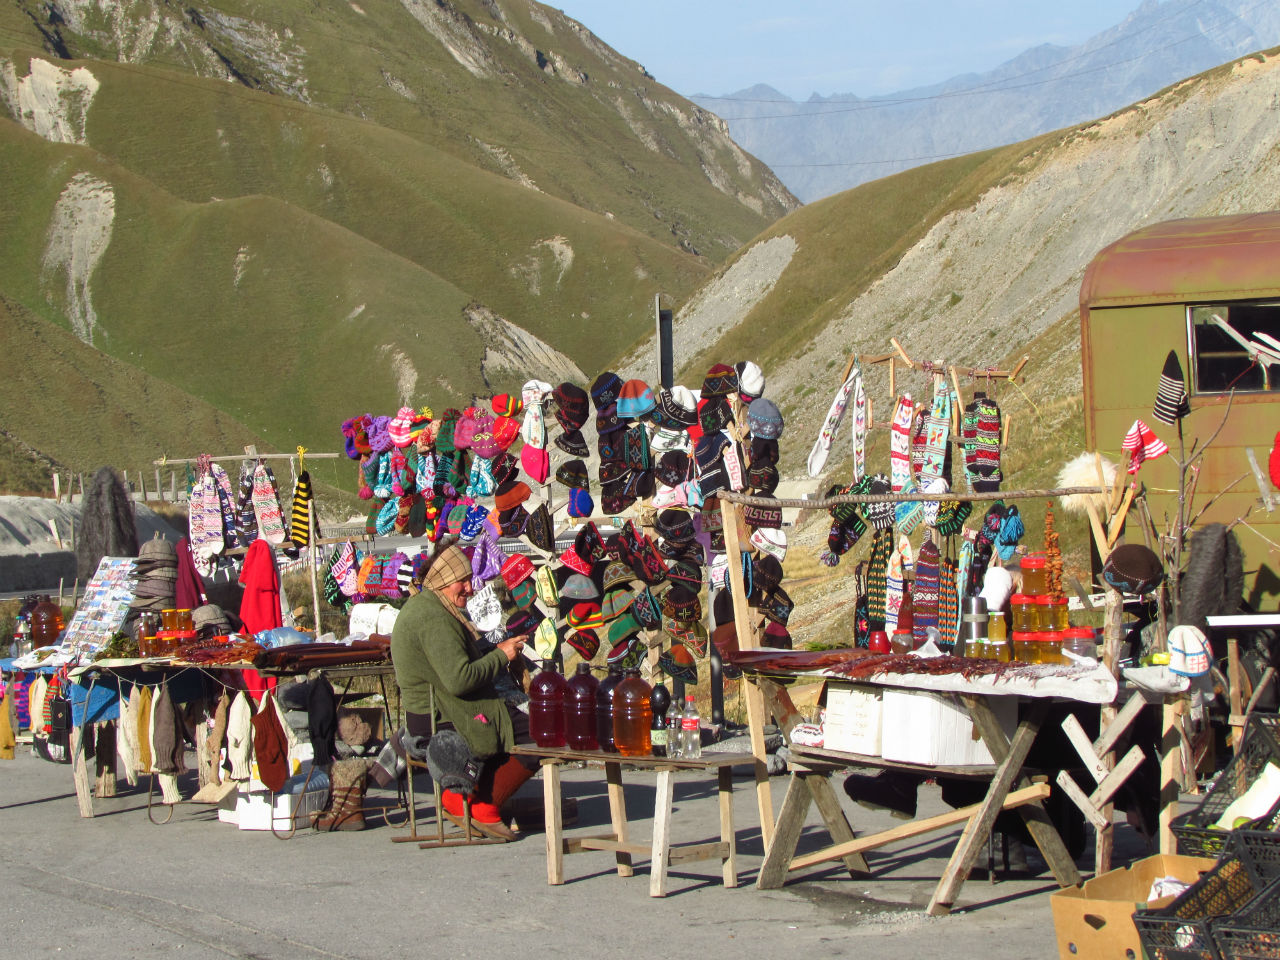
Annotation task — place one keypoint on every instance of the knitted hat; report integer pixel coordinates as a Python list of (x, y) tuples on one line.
[(588, 543), (1133, 568), (505, 432), (675, 409), (673, 468), (675, 525), (616, 574), (677, 663), (535, 462), (510, 495), (579, 587), (762, 477), (573, 474), (721, 381), (681, 604), (578, 564), (400, 426), (571, 442), (714, 414), (623, 627), (755, 516), (608, 419), (604, 389), (585, 616), (503, 468), (571, 406), (777, 606), (511, 522), (523, 594), (635, 400), (584, 642), (1171, 396), (647, 610), (516, 569), (750, 381), (538, 529), (615, 603), (685, 573), (764, 419), (546, 639), (472, 422), (770, 541), (1142, 444), (626, 653), (1189, 653), (524, 622), (580, 503), (507, 405), (548, 589)]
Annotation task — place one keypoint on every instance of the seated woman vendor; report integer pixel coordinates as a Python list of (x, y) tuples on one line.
[(434, 646)]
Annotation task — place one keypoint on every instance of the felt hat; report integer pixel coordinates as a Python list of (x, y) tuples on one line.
[(1133, 568), (572, 443), (507, 405), (750, 381), (584, 642), (571, 406), (764, 419), (635, 400), (604, 389), (510, 495), (721, 381), (400, 425), (1171, 395), (580, 503), (573, 473), (579, 587), (516, 569)]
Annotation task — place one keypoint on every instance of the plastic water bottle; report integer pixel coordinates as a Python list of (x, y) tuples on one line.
[(580, 711), (674, 735), (690, 731), (604, 708)]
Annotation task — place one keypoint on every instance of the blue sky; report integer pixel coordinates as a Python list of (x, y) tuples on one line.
[(827, 46)]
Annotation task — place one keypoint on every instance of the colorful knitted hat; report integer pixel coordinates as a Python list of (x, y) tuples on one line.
[(585, 616), (675, 409), (510, 495), (400, 426), (572, 443), (647, 610), (578, 564), (673, 468), (721, 381), (675, 525), (608, 420), (616, 574), (714, 414), (579, 587), (573, 474), (616, 602), (571, 406), (584, 642), (588, 544), (764, 419), (580, 503), (507, 405), (635, 400), (539, 530), (516, 569), (756, 516), (511, 522), (770, 541)]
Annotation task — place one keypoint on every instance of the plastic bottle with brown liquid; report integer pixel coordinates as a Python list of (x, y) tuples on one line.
[(604, 709), (632, 716), (580, 711), (547, 695), (46, 622)]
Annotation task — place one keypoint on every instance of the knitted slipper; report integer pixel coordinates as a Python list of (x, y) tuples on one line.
[(266, 504), (822, 446)]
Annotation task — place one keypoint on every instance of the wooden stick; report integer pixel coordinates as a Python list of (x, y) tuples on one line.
[(1008, 428), (955, 408), (824, 503), (1016, 370), (1117, 521), (1235, 683), (248, 456), (902, 353), (893, 386)]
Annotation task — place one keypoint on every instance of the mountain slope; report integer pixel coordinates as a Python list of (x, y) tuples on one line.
[(831, 143)]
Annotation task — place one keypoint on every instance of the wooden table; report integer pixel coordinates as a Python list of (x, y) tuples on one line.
[(662, 854), (1010, 788)]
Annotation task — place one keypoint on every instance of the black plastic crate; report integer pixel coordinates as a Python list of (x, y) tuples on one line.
[(1254, 932), (1197, 836), (1260, 851), (1183, 929)]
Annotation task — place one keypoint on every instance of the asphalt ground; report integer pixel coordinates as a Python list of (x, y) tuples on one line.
[(119, 886)]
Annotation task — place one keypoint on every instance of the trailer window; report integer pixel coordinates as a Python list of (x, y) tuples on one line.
[(1236, 346)]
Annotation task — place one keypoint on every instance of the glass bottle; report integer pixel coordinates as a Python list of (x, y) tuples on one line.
[(878, 642), (690, 731), (46, 622), (580, 710), (632, 715), (659, 704), (547, 695), (604, 709)]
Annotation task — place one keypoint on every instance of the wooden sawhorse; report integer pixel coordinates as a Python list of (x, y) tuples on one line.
[(662, 853)]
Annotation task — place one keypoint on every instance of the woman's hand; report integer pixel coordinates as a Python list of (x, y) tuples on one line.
[(513, 646)]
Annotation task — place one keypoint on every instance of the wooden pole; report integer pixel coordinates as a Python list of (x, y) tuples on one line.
[(756, 718), (1235, 682), (824, 503), (313, 550), (1112, 636), (1170, 769)]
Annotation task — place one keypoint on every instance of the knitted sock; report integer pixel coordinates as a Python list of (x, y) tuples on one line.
[(900, 444), (266, 504), (894, 579), (859, 430), (386, 521), (1171, 396), (877, 573), (226, 513), (343, 566), (982, 444), (930, 508), (499, 782), (213, 542), (300, 515), (937, 432), (480, 483), (926, 590), (426, 479), (822, 446), (908, 515), (919, 434), (246, 520), (195, 516), (963, 564), (948, 603)]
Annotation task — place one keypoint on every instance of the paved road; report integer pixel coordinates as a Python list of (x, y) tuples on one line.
[(117, 885)]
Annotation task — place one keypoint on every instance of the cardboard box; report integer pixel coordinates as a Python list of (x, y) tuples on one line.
[(852, 720), (934, 729), (1095, 921)]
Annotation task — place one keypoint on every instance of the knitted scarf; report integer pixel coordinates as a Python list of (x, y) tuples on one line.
[(859, 428)]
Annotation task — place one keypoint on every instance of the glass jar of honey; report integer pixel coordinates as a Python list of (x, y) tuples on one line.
[(169, 619), (1058, 619), (185, 623), (1021, 613), (1035, 580), (1050, 644), (1042, 612)]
